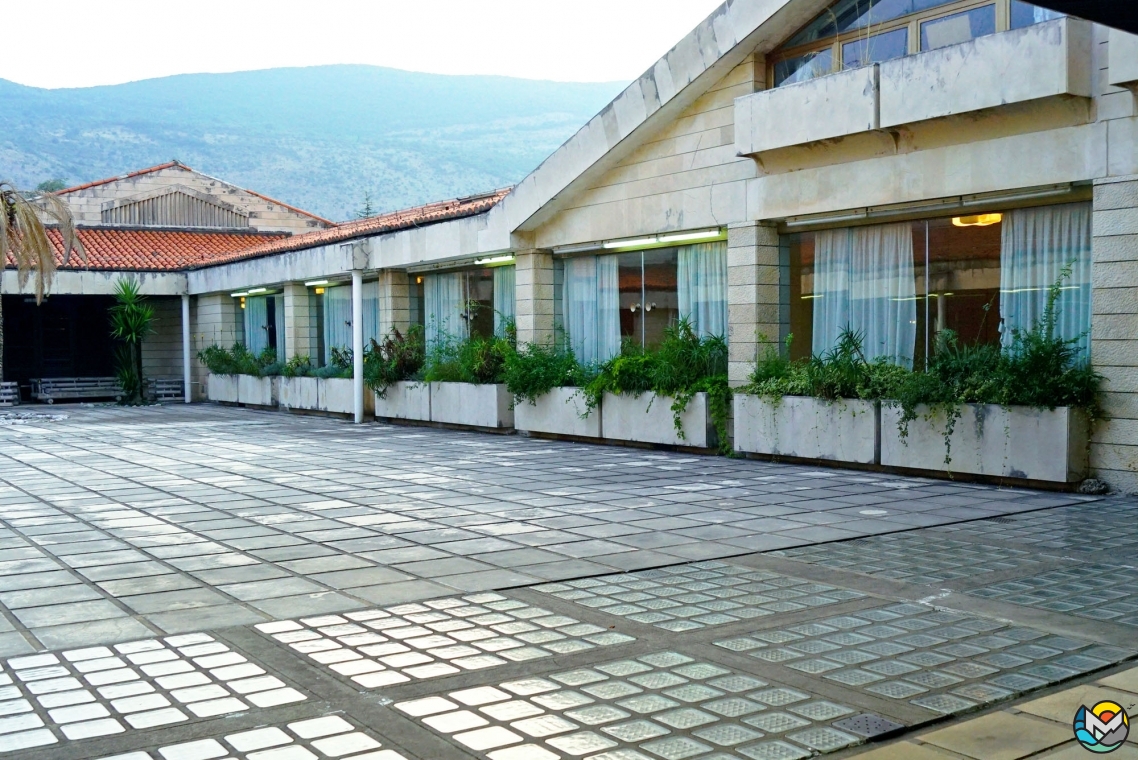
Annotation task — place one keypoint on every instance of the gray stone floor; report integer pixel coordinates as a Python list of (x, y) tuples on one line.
[(189, 583)]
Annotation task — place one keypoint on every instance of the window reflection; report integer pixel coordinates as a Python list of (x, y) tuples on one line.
[(875, 49), (957, 28)]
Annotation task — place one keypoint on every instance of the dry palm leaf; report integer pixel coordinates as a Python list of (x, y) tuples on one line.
[(24, 236)]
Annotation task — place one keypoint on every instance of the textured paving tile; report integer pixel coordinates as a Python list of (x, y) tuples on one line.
[(666, 704), (695, 596), (441, 637), (1082, 590), (942, 661)]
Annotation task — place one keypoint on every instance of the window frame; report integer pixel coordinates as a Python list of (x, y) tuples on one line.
[(912, 22)]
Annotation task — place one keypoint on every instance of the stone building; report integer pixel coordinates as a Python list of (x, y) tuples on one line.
[(788, 168)]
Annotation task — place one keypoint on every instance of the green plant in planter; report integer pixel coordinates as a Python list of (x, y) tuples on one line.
[(131, 320), (683, 365), (239, 360), (298, 366), (399, 357), (534, 370), (476, 359)]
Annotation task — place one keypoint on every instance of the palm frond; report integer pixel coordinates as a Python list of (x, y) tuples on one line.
[(24, 237)]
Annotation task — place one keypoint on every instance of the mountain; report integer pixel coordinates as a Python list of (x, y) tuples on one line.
[(318, 138)]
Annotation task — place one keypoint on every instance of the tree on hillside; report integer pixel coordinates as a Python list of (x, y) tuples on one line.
[(367, 209), (24, 238), (53, 185)]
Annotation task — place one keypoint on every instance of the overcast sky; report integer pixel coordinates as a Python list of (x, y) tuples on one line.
[(80, 43)]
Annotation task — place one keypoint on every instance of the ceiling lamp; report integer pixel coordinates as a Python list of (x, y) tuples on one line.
[(979, 220)]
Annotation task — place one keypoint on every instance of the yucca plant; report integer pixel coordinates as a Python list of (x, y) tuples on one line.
[(24, 237), (131, 319)]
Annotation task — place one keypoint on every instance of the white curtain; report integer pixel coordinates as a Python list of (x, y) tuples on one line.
[(337, 320), (279, 326), (371, 312), (505, 297), (592, 307), (256, 323), (702, 285), (1037, 244), (864, 279), (444, 296)]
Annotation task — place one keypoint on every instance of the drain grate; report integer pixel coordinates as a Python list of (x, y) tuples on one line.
[(868, 725)]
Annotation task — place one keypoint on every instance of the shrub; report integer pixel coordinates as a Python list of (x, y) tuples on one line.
[(476, 359), (534, 370), (238, 360), (298, 366), (399, 357), (683, 365)]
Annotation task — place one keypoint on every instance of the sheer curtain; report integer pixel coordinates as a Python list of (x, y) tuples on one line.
[(337, 320), (505, 297), (592, 307), (1037, 244), (371, 312), (279, 326), (702, 286), (444, 295), (864, 279), (257, 323)]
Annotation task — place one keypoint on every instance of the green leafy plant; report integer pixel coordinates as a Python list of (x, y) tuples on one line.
[(683, 365), (239, 360), (399, 357), (131, 322), (476, 359), (298, 366), (534, 370)]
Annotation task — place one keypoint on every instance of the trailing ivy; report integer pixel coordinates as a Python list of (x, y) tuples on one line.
[(683, 365)]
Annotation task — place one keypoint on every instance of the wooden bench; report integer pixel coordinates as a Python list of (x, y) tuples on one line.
[(162, 389), (50, 389), (9, 394)]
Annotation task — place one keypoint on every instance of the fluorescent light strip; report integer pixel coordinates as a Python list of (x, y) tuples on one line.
[(315, 283), (493, 260), (674, 237), (254, 291)]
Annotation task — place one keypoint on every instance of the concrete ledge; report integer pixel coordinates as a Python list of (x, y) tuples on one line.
[(1040, 61), (990, 440), (825, 108), (404, 401), (647, 418), (558, 412), (299, 393), (335, 394), (807, 428), (222, 388), (486, 406), (258, 391)]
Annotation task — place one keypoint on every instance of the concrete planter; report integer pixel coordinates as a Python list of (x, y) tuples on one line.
[(809, 428), (222, 388), (336, 395), (299, 393), (1015, 442), (558, 412), (648, 418), (485, 406), (258, 391), (404, 401)]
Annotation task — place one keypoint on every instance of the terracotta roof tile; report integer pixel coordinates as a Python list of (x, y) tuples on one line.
[(153, 250), (420, 216)]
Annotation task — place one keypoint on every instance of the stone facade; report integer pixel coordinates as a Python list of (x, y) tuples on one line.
[(300, 322), (755, 281), (535, 308)]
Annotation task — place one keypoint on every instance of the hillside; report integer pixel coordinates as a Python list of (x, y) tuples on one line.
[(317, 137)]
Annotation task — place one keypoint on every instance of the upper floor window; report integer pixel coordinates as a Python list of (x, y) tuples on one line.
[(855, 33)]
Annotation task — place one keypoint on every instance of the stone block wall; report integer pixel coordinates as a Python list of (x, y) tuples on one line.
[(755, 279), (534, 306), (1114, 330)]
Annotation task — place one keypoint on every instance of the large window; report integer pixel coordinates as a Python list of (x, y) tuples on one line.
[(336, 317), (460, 304), (982, 276), (633, 297), (855, 33)]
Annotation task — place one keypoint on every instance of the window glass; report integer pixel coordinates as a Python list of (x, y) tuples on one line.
[(417, 301), (480, 302), (803, 68), (848, 15), (661, 304), (1026, 14), (631, 297), (959, 27), (874, 49)]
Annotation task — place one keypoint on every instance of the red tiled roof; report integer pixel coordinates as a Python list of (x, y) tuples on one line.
[(420, 216), (153, 250), (178, 165)]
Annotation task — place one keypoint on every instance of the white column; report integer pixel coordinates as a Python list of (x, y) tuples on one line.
[(358, 343), (186, 347)]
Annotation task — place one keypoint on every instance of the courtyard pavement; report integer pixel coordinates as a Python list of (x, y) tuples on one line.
[(189, 583)]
